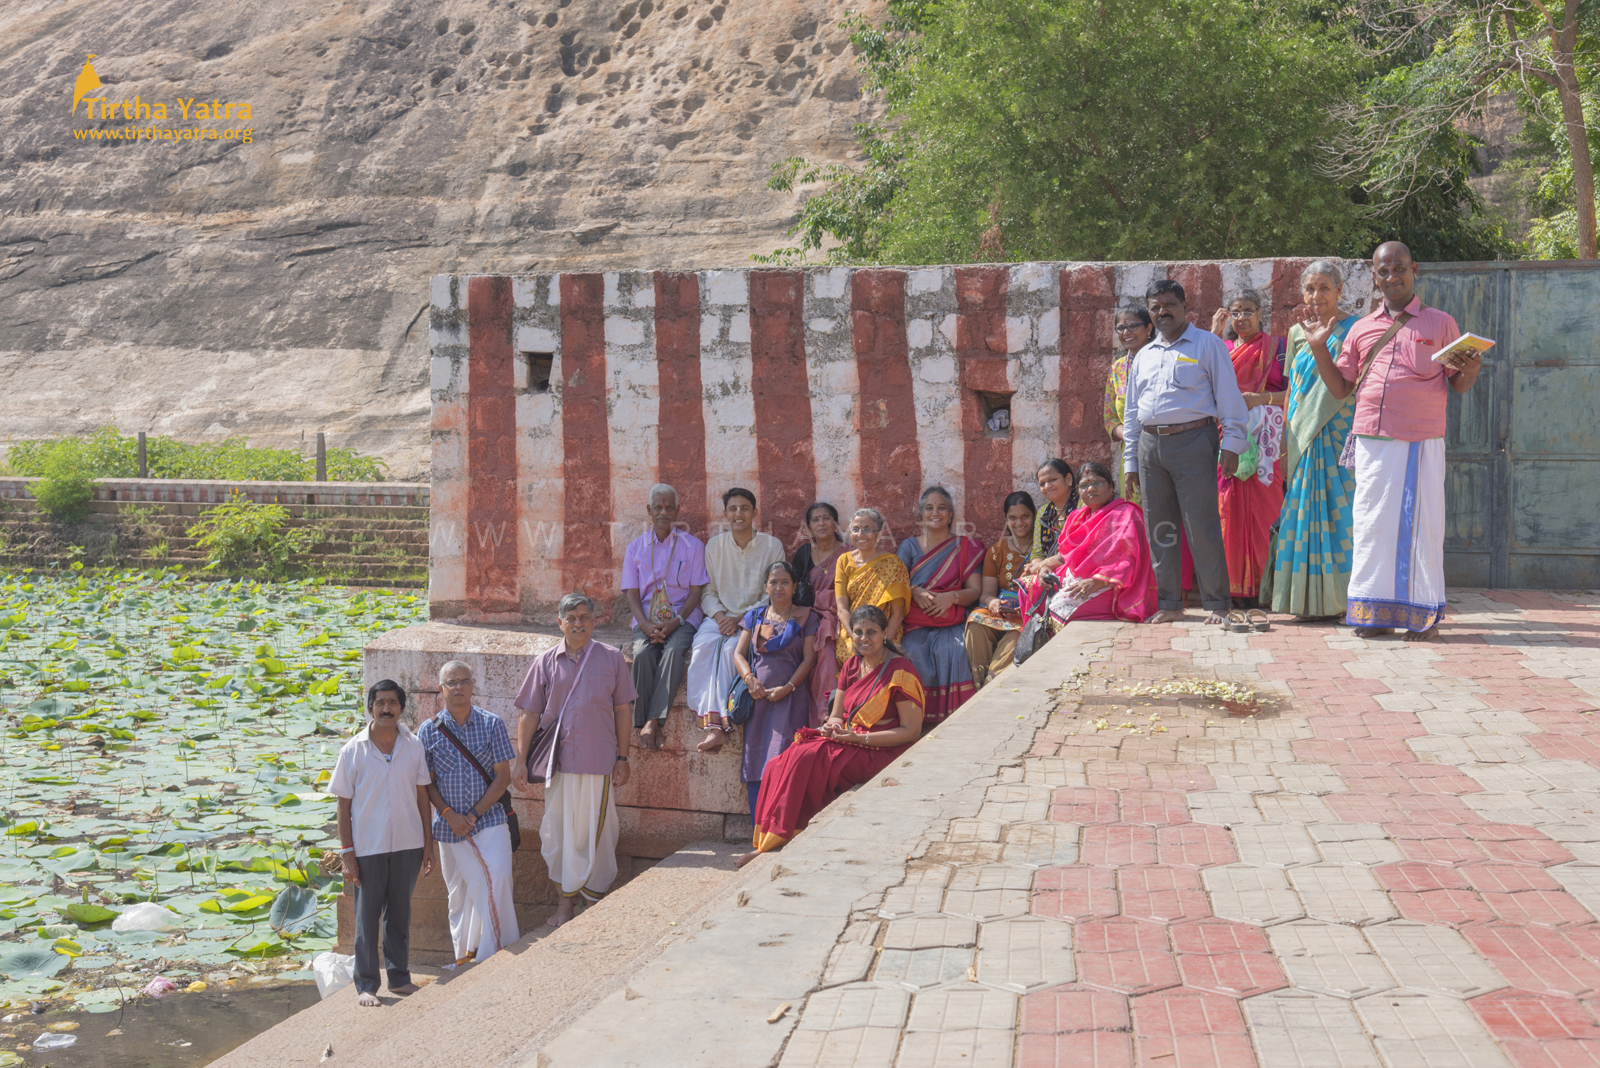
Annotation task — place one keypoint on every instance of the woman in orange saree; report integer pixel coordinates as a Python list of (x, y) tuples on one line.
[(1248, 508), (877, 714)]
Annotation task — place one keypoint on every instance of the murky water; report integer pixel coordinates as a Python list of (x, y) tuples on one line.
[(177, 1031)]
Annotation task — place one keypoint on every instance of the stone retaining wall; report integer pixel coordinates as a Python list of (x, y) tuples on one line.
[(216, 491)]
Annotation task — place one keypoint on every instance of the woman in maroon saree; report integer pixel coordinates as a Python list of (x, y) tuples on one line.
[(877, 714)]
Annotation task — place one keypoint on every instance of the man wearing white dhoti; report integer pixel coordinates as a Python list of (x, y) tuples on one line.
[(584, 690), (469, 822), (1397, 573), (737, 563)]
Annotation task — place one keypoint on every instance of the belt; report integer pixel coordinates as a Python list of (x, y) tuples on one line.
[(1179, 428)]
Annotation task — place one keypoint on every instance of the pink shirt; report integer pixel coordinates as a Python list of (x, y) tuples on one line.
[(1405, 392), (588, 743), (679, 563)]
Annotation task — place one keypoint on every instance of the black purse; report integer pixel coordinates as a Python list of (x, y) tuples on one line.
[(1036, 631), (804, 595), (505, 798), (740, 705)]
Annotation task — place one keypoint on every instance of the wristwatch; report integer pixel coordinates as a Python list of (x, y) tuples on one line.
[(623, 759)]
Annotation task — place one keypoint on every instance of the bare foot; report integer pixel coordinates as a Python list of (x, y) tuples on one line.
[(714, 740), (368, 1001), (745, 858), (650, 734), (1167, 615), (1373, 632), (1215, 619), (563, 913), (1431, 634), (409, 988)]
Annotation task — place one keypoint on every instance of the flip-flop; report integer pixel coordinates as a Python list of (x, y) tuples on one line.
[(1237, 622), (1262, 625)]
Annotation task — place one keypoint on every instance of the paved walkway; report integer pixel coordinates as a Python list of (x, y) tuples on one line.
[(1395, 862)]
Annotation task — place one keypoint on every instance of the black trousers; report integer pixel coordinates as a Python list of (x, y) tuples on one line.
[(1178, 485), (658, 672), (383, 901)]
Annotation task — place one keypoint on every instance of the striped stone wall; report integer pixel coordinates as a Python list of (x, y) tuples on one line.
[(857, 386)]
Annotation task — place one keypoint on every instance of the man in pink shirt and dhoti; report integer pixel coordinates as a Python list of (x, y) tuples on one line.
[(1397, 574)]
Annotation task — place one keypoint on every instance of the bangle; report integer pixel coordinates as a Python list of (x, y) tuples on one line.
[(347, 849)]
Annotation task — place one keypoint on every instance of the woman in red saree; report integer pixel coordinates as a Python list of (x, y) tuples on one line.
[(877, 714), (946, 581), (1103, 559), (1248, 508)]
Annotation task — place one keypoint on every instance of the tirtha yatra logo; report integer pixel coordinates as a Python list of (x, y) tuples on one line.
[(135, 119)]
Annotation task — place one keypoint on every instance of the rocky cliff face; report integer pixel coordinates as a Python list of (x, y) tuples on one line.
[(274, 284)]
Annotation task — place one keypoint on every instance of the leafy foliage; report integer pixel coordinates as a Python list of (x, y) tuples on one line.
[(109, 454), (164, 739), (68, 486), (240, 536)]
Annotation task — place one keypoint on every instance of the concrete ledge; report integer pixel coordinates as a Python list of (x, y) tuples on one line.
[(216, 491)]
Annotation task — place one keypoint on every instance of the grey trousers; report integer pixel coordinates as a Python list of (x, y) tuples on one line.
[(658, 672), (383, 905), (1178, 485)]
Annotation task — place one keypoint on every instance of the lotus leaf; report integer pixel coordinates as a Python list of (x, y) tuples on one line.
[(83, 912), (32, 962), (293, 910)]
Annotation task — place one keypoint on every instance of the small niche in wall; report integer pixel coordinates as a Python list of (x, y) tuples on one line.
[(533, 371), (994, 411)]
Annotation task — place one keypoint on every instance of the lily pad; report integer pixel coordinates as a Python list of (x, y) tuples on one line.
[(293, 910), (83, 912), (32, 962)]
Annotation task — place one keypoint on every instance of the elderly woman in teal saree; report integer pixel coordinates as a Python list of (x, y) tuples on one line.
[(1310, 574), (946, 580)]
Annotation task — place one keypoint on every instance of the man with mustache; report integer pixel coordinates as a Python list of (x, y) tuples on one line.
[(381, 780), (1183, 405), (1398, 515)]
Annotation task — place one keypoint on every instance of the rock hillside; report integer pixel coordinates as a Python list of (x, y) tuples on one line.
[(278, 287)]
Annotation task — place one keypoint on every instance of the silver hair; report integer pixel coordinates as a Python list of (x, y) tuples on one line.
[(1327, 267), (1247, 294), (872, 514), (570, 602), (451, 665), (657, 490)]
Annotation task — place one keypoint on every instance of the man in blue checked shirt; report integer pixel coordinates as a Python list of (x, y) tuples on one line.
[(469, 824)]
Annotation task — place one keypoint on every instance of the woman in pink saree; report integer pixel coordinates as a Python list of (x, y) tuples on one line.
[(1103, 558)]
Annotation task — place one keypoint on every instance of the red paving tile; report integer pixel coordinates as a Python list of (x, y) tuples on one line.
[(1128, 956), (1540, 851), (1234, 975), (1412, 876), (1199, 845), (1075, 893), (1118, 844), (1084, 804), (1181, 777), (1541, 908), (1449, 908), (1115, 775), (1381, 751), (1061, 1009), (1089, 1049), (1565, 747), (1503, 832), (1442, 850), (1154, 808), (1439, 779), (1321, 751), (1586, 938), (1508, 878), (1536, 959), (1162, 893), (1191, 1029), (1523, 1014)]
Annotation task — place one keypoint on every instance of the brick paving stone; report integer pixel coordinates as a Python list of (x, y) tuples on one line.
[(862, 1047), (1568, 806), (1075, 1008), (1442, 851), (966, 829), (964, 1007), (1414, 877), (1326, 751), (1365, 808), (1313, 779), (1536, 959), (1128, 956), (1428, 1032), (1582, 881), (1287, 807), (1053, 771), (1341, 894), (858, 1005), (1251, 895), (1363, 852), (1245, 778), (1540, 851), (1507, 878), (849, 963), (1442, 749), (1451, 908), (919, 968), (1199, 845), (1029, 811), (1089, 1049), (1189, 1029), (926, 932), (1275, 845), (1084, 805), (1234, 975), (1025, 954), (1504, 721), (923, 891), (1154, 808), (1329, 959), (1447, 721), (1040, 845), (956, 1049), (1162, 893), (1508, 778), (1115, 775), (1181, 777), (1500, 748), (1118, 844), (1566, 774), (1512, 1015), (1438, 779), (1432, 959), (1381, 751), (1075, 893), (1295, 1030), (1223, 807)]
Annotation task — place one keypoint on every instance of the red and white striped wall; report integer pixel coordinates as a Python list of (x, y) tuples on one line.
[(856, 386)]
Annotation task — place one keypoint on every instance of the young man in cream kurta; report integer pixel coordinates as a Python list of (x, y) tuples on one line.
[(737, 563)]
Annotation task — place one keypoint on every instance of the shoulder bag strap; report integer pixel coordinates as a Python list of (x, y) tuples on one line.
[(561, 713), (448, 733), (1372, 354)]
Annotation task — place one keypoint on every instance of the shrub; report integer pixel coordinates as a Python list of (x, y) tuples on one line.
[(242, 536), (109, 454), (68, 487)]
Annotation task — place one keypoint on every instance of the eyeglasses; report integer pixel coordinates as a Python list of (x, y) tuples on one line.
[(1091, 483), (1123, 328)]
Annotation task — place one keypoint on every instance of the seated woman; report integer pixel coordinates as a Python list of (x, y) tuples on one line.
[(1058, 488), (813, 563), (774, 657), (944, 583), (869, 575), (1102, 558), (993, 627), (877, 714)]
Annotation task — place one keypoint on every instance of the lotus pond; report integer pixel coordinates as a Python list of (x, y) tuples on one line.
[(163, 740)]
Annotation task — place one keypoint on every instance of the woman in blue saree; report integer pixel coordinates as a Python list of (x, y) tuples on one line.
[(946, 580), (1310, 575)]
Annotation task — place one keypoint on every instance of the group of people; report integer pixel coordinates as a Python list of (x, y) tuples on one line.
[(1304, 473)]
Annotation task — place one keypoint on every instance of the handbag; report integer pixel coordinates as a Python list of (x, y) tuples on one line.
[(805, 595), (1036, 631), (1347, 455), (505, 798), (543, 755), (740, 706)]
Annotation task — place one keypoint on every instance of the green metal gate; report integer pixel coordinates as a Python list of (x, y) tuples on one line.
[(1523, 445)]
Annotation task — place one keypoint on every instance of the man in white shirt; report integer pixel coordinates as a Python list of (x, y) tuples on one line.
[(736, 563), (381, 779)]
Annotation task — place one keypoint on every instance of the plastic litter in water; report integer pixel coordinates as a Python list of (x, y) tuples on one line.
[(54, 1041), (145, 916), (159, 987)]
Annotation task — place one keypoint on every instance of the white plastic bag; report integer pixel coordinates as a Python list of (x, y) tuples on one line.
[(333, 970), (53, 1041), (146, 916)]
